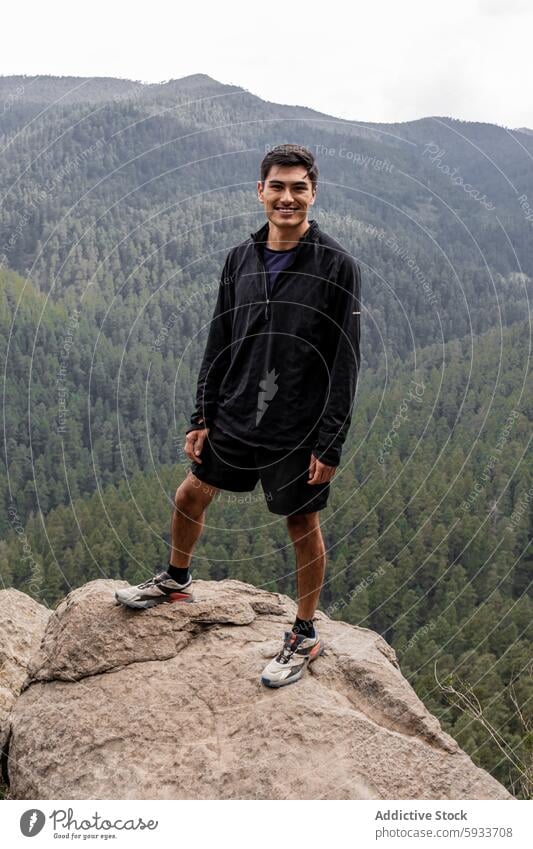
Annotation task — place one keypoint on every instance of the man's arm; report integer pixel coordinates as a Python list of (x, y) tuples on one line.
[(345, 334), (216, 357)]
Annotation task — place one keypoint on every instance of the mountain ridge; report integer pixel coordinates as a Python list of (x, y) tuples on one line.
[(91, 89)]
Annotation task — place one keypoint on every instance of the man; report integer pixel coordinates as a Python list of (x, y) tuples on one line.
[(275, 393)]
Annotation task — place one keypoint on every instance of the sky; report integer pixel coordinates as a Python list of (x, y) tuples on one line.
[(365, 61)]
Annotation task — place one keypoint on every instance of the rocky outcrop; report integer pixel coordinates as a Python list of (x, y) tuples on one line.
[(167, 704), (22, 624)]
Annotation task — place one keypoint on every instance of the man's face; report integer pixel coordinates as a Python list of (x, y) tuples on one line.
[(287, 195)]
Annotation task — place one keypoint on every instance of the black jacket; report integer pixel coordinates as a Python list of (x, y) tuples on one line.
[(281, 372)]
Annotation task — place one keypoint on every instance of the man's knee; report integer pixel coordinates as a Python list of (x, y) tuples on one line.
[(193, 495), (303, 522)]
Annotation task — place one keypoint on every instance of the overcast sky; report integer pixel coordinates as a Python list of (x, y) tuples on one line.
[(377, 60)]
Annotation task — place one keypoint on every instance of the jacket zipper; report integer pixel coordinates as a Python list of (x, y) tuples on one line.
[(267, 299), (263, 270)]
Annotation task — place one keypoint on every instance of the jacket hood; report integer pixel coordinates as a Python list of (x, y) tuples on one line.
[(261, 235)]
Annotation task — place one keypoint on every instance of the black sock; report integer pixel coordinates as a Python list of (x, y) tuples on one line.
[(181, 576), (305, 627)]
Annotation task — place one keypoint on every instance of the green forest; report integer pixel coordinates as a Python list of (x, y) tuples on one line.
[(118, 209)]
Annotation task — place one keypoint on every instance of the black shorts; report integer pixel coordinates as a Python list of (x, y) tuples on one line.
[(228, 463)]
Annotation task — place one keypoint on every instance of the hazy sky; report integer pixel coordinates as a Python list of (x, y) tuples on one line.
[(371, 61)]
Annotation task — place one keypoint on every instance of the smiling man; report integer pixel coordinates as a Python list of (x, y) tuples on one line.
[(275, 393)]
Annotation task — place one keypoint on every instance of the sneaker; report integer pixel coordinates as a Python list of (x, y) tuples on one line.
[(161, 589), (290, 664)]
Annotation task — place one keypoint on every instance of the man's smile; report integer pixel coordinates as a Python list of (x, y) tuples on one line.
[(286, 211)]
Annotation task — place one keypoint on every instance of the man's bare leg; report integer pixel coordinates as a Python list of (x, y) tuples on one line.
[(299, 651), (191, 499), (306, 535)]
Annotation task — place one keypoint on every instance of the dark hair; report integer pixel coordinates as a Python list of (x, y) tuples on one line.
[(290, 154)]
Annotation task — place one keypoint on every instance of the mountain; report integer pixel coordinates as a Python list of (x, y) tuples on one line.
[(120, 201), (80, 729)]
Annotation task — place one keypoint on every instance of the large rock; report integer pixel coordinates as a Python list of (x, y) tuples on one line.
[(167, 704), (22, 624)]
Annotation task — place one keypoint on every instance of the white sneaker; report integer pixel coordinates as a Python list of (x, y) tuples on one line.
[(161, 589), (292, 661)]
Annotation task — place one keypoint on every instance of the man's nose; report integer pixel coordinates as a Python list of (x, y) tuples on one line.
[(287, 196)]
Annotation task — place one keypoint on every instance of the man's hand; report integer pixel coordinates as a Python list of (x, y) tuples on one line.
[(194, 442), (319, 472)]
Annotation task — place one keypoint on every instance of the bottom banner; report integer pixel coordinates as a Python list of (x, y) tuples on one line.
[(262, 823)]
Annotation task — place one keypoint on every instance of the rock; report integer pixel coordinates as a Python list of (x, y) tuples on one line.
[(167, 703), (22, 624)]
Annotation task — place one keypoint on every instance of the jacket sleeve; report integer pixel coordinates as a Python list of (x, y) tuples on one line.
[(345, 358), (216, 357)]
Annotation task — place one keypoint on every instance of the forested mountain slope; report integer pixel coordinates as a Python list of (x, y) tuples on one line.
[(119, 202), (427, 529)]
